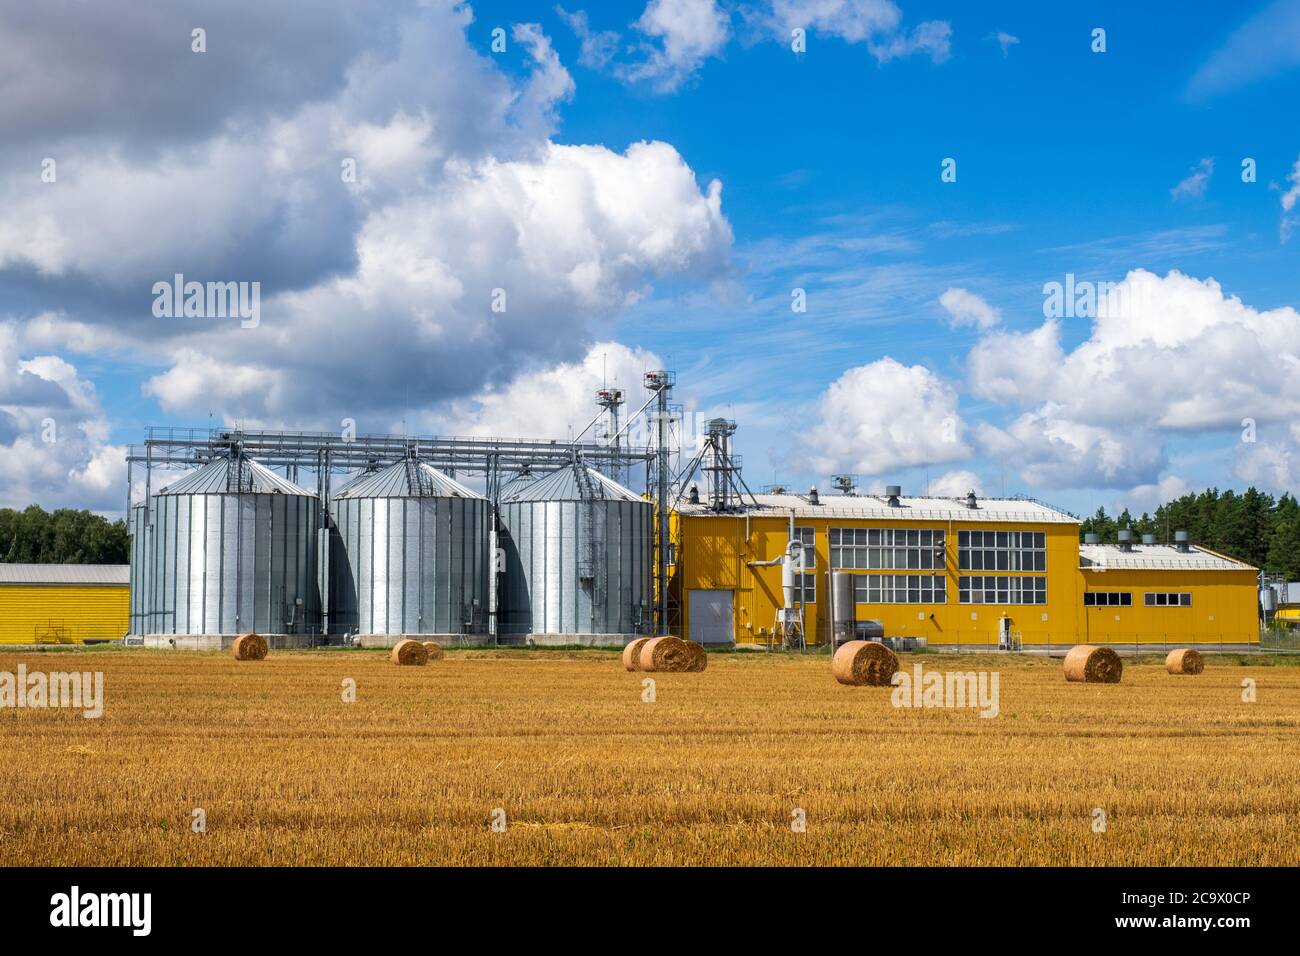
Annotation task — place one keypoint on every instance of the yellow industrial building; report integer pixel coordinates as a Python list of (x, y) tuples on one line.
[(63, 603), (950, 571)]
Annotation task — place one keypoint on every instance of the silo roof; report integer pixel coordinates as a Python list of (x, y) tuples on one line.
[(406, 479), (574, 482), (234, 476)]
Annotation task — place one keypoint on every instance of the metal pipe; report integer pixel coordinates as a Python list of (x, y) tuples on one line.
[(662, 495)]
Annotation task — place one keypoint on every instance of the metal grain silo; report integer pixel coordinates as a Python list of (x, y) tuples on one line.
[(232, 549), (411, 554), (137, 527), (578, 555)]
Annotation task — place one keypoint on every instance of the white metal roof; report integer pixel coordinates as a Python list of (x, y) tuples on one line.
[(575, 482), (84, 574), (1004, 510), (231, 476), (1155, 557), (406, 479)]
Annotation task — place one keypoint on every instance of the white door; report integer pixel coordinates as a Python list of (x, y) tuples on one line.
[(711, 617)]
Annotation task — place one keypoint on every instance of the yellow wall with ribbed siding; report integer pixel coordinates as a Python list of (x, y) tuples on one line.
[(38, 614), (716, 555), (1222, 608)]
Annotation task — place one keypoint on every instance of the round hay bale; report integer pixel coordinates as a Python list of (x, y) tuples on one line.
[(1184, 660), (699, 657), (434, 649), (410, 654), (864, 664), (1088, 664), (249, 647), (632, 654), (670, 654)]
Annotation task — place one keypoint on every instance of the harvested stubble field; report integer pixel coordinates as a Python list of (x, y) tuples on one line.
[(588, 773)]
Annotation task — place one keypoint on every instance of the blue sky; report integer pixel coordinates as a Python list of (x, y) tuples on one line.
[(1068, 161)]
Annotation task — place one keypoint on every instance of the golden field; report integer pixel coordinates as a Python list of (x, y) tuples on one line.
[(588, 773)]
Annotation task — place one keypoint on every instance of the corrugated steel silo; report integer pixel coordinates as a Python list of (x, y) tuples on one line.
[(232, 549), (578, 555), (140, 596), (410, 555)]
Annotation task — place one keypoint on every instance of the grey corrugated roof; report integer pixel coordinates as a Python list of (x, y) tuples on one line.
[(909, 508), (230, 475), (84, 574), (406, 479), (1155, 557), (567, 484)]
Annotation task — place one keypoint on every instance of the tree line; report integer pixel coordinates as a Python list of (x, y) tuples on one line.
[(63, 536), (1251, 526)]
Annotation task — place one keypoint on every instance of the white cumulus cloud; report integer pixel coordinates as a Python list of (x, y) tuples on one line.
[(681, 34), (884, 416), (875, 23), (967, 308)]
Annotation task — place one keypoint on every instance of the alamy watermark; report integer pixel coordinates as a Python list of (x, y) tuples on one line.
[(178, 299), (133, 911), (38, 690), (975, 689), (1084, 299)]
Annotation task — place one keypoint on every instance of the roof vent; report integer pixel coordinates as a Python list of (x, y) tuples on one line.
[(695, 495), (971, 501), (1091, 538), (1182, 542), (892, 492), (1148, 539), (812, 496), (1126, 540)]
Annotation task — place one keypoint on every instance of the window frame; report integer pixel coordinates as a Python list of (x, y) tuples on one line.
[(887, 549), (890, 588), (1027, 590), (1162, 599), (1002, 551)]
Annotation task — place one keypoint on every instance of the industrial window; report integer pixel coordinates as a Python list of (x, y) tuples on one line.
[(1107, 598), (1002, 589), (1002, 550), (887, 549), (805, 588), (1168, 599), (900, 589), (807, 537)]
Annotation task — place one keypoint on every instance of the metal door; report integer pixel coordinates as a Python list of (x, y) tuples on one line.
[(711, 617)]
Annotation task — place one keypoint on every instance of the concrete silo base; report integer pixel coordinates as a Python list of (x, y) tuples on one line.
[(446, 640), (618, 641), (222, 642)]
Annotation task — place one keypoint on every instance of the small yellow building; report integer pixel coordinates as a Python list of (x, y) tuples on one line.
[(953, 571), (63, 603)]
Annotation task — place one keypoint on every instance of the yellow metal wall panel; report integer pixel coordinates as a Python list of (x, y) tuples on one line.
[(714, 551), (1224, 608), (33, 613)]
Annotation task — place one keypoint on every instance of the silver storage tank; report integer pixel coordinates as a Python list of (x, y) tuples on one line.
[(410, 554), (844, 609), (233, 549), (137, 526), (578, 555)]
